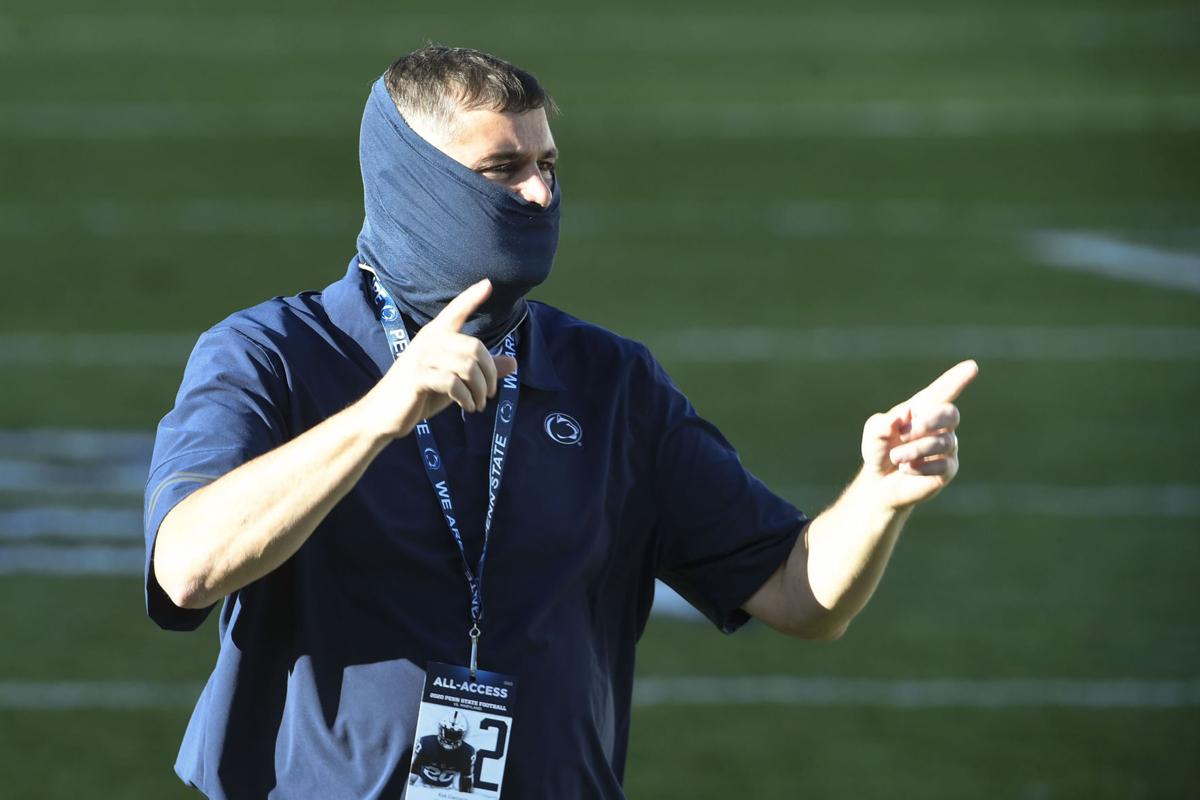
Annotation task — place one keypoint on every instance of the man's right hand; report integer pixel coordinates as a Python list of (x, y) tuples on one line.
[(246, 523), (441, 366)]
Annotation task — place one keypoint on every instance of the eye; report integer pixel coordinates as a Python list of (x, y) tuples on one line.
[(498, 169)]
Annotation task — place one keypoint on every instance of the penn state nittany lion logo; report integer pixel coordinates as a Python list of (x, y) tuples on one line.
[(431, 458), (506, 411), (563, 428)]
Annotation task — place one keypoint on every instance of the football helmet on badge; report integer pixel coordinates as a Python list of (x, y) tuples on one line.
[(452, 730)]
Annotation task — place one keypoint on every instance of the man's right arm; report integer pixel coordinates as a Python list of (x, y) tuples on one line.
[(251, 520)]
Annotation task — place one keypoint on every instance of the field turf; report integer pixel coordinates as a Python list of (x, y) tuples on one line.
[(738, 179)]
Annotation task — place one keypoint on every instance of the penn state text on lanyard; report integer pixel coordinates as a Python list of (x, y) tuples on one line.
[(435, 468)]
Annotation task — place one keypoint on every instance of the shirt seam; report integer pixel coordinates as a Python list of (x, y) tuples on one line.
[(173, 479), (158, 467)]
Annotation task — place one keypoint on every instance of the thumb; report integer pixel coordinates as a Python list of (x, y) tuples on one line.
[(882, 427), (505, 365), (459, 310)]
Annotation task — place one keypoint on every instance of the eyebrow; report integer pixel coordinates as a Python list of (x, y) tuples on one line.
[(514, 155)]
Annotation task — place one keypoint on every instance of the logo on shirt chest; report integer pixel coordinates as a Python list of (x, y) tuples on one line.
[(563, 428)]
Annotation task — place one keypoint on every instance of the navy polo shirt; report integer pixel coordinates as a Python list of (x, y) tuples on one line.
[(318, 679)]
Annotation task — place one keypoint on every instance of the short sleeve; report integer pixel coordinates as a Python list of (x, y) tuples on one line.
[(229, 410), (721, 532)]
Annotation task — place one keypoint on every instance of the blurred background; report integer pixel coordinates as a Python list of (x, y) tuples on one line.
[(808, 210)]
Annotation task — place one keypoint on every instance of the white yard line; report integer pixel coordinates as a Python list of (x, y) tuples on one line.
[(1103, 254), (135, 350), (894, 119), (113, 695), (917, 694), (67, 480), (72, 527), (47, 540), (870, 119), (854, 344), (973, 499), (654, 692), (717, 345), (94, 560), (70, 522), (86, 445), (881, 31), (785, 219), (49, 526)]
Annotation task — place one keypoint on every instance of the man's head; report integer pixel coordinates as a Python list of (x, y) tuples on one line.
[(483, 112), (458, 185)]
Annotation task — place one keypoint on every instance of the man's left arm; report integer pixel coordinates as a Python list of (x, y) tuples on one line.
[(910, 453)]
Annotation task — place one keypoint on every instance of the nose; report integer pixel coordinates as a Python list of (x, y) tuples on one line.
[(535, 189)]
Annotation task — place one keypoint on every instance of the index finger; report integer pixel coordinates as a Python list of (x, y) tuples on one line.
[(459, 310), (951, 382)]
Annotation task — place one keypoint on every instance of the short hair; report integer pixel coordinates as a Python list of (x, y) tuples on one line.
[(435, 82)]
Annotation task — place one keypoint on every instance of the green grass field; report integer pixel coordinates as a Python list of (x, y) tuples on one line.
[(808, 210)]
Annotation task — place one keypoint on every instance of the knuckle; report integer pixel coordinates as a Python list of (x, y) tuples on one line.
[(877, 423), (952, 415), (464, 363)]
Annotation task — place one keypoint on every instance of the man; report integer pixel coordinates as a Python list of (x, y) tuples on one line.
[(295, 479)]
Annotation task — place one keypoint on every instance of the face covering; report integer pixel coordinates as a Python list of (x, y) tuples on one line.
[(434, 227)]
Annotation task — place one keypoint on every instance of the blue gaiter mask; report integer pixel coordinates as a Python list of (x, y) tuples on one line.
[(434, 227)]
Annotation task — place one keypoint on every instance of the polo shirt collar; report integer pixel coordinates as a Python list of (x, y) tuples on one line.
[(537, 368), (349, 306)]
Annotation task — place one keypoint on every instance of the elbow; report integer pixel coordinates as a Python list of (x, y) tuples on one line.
[(182, 591), (183, 570), (181, 581), (191, 598)]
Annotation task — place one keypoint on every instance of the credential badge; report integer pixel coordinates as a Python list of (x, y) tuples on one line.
[(563, 428)]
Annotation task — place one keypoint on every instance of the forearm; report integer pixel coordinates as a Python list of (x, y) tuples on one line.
[(844, 552), (250, 521), (834, 566)]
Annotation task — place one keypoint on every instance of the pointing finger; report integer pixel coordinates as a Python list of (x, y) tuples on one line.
[(951, 383), (459, 310)]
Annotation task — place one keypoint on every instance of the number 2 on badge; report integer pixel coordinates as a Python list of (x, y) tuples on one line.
[(496, 754)]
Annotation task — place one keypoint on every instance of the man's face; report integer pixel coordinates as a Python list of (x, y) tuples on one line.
[(513, 149)]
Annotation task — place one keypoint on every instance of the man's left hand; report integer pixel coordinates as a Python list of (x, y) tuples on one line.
[(912, 449)]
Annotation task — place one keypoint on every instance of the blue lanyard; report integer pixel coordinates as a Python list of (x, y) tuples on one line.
[(435, 468)]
